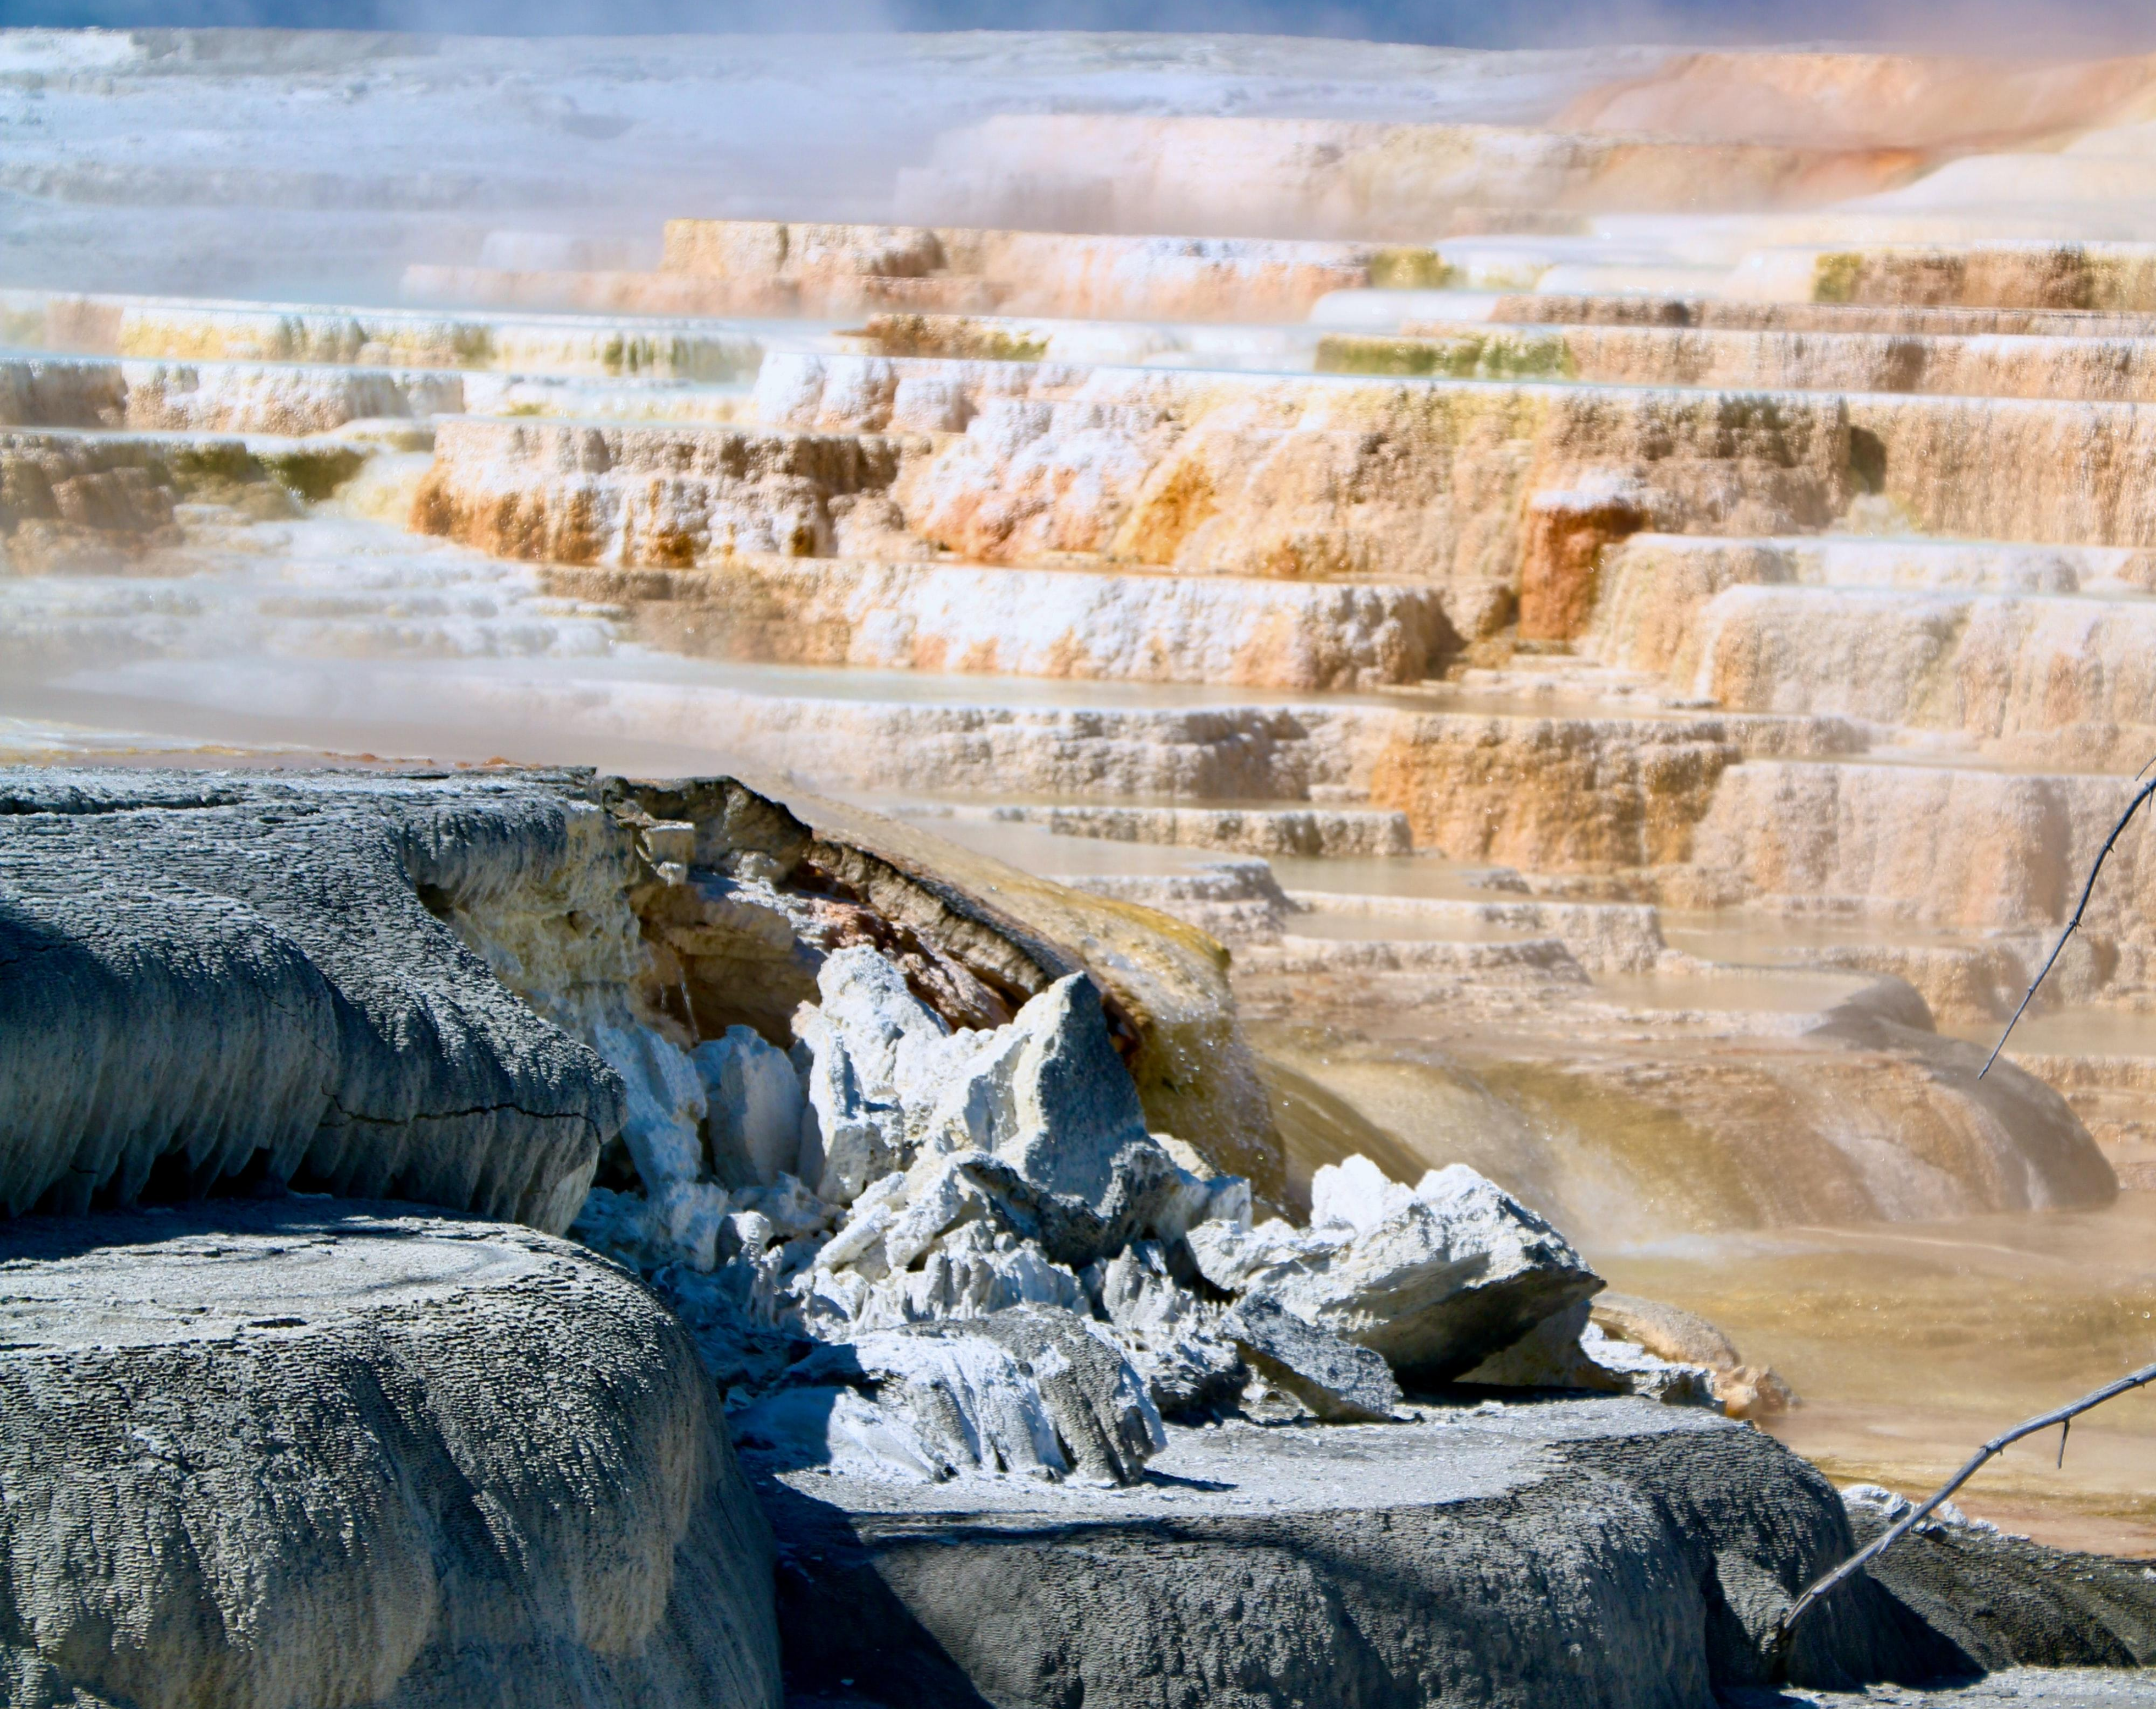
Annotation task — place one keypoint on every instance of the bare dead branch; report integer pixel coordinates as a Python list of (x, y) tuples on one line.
[(1785, 1633), (2088, 890)]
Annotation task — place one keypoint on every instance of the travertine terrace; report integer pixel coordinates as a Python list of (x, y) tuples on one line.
[(1656, 556)]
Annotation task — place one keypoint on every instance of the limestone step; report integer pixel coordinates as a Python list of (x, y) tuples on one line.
[(61, 489), (296, 398), (2106, 369), (1310, 832), (1680, 562), (189, 329), (2053, 680), (1902, 319), (764, 267), (1088, 624), (2114, 277), (1127, 343)]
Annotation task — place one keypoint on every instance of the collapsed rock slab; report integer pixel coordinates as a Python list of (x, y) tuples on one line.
[(272, 1454), (1570, 1352), (1435, 1278), (1608, 1551), (206, 976), (1335, 1379)]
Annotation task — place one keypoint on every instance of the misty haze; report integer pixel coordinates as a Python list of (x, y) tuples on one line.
[(1260, 855)]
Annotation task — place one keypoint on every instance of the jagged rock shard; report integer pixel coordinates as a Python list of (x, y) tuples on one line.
[(1076, 1109), (1335, 1379), (297, 1453), (1032, 1391), (1167, 1333), (1058, 1103), (1606, 1551), (206, 975)]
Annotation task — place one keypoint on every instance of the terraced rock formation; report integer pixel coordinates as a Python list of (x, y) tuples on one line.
[(1616, 653)]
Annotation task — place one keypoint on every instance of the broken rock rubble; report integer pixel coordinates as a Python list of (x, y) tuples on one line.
[(1435, 1278), (926, 1252)]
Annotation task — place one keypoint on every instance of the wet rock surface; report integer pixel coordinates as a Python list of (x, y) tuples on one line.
[(311, 1450)]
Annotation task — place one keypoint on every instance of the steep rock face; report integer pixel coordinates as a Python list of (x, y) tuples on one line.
[(643, 495), (1213, 475), (1610, 1552), (209, 976), (311, 1452)]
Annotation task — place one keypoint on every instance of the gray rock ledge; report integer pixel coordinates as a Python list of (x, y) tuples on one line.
[(213, 974), (275, 1455), (1607, 1552)]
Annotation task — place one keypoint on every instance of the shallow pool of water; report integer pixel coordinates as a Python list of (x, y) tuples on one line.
[(1912, 1343)]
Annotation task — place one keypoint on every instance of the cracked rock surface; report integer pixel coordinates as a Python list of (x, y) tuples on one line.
[(280, 1455)]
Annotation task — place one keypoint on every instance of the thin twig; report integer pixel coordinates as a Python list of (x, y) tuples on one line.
[(2088, 890), (1785, 1633)]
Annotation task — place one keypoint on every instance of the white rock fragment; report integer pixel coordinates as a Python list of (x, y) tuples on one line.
[(1169, 1334), (1878, 1502), (1335, 1379), (1435, 1281), (1031, 1392), (790, 1208), (1233, 1258), (861, 1232), (753, 1105), (680, 1223), (973, 1272), (691, 1213), (662, 1128), (1072, 1103), (847, 1138), (1355, 1194)]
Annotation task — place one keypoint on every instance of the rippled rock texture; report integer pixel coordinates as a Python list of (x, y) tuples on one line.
[(213, 977), (280, 1454)]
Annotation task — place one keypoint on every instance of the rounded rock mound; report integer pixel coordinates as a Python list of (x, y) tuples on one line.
[(274, 1454)]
